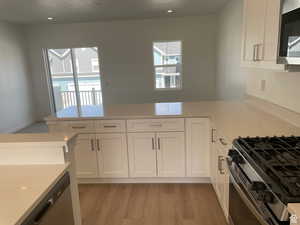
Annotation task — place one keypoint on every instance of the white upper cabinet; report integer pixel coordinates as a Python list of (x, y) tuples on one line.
[(142, 154), (254, 15), (86, 156), (112, 155), (171, 154), (261, 34), (197, 146)]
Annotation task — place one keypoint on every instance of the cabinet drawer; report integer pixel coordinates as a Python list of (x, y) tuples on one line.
[(155, 125), (80, 126), (57, 127), (110, 126)]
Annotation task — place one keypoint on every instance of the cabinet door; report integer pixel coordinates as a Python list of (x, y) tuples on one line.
[(254, 17), (214, 165), (197, 142), (171, 154), (272, 24), (112, 155), (142, 154), (86, 156)]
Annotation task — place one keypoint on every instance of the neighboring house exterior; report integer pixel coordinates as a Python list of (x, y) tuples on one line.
[(294, 47), (87, 65)]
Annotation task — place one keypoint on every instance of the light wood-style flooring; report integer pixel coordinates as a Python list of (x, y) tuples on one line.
[(150, 204)]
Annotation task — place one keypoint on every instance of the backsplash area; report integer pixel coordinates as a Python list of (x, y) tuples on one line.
[(281, 88)]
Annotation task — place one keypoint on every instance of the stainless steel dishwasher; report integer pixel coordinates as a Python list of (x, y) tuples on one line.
[(55, 208)]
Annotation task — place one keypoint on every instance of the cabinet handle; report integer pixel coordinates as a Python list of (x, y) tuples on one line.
[(92, 145), (153, 147), (156, 124), (222, 141), (221, 159), (78, 127), (262, 55), (213, 131), (110, 126), (254, 53), (98, 145), (158, 143)]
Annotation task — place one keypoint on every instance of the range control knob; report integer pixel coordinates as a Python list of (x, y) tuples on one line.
[(232, 153), (258, 186), (235, 157), (266, 197)]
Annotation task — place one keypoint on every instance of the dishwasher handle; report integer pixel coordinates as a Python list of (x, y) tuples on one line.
[(43, 211)]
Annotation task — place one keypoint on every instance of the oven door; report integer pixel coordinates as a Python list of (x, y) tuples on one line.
[(242, 210)]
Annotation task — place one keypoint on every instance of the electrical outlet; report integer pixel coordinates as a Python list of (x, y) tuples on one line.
[(263, 85)]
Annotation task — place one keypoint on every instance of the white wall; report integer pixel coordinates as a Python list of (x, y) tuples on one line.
[(282, 88), (16, 109), (231, 79), (126, 47)]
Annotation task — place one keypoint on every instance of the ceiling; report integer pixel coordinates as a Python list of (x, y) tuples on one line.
[(69, 11)]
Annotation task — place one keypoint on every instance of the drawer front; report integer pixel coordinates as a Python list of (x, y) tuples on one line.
[(81, 126), (57, 127), (155, 125), (110, 126)]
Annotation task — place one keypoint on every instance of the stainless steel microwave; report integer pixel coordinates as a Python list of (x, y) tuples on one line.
[(289, 52)]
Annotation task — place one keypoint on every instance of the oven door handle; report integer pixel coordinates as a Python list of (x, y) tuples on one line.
[(247, 202)]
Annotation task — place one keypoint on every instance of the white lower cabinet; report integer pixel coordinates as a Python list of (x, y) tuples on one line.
[(219, 173), (86, 156), (156, 154), (142, 154), (170, 154), (101, 156), (197, 147), (112, 155)]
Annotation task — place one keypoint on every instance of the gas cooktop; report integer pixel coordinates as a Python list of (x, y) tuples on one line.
[(277, 159)]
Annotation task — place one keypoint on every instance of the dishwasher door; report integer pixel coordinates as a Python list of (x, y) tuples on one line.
[(55, 208)]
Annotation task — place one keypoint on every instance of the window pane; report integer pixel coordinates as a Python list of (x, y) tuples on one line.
[(60, 62), (167, 53), (168, 77), (167, 63), (89, 83)]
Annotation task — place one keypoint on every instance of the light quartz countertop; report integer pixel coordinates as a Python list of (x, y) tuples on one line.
[(231, 118), (36, 137), (22, 187)]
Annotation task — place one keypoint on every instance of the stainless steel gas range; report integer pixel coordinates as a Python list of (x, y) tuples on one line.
[(264, 178)]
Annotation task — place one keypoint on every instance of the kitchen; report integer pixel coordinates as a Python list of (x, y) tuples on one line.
[(150, 112)]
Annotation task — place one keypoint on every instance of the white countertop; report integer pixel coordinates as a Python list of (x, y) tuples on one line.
[(231, 118), (22, 187), (36, 137)]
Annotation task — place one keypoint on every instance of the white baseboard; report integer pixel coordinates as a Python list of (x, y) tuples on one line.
[(183, 180)]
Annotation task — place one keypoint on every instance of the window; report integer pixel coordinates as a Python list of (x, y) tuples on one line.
[(75, 93), (95, 65), (167, 57)]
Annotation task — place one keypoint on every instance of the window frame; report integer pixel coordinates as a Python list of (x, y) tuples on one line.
[(47, 69), (167, 65), (93, 60)]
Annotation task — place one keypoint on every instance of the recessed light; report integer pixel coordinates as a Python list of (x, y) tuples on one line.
[(170, 11), (50, 18)]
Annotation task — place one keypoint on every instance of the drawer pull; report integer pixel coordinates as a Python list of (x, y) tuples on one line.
[(156, 125), (78, 127), (110, 126)]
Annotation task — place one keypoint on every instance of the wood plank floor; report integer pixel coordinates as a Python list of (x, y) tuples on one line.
[(150, 204)]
